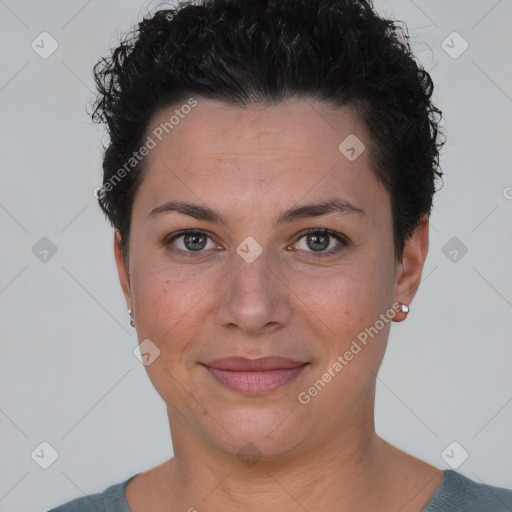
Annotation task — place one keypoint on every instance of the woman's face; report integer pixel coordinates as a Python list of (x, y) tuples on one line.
[(253, 283)]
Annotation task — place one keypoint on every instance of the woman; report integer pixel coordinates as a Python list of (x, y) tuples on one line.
[(270, 177)]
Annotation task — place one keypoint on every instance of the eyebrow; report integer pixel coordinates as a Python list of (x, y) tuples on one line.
[(333, 205)]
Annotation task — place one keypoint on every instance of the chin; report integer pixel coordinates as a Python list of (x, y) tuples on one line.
[(265, 432)]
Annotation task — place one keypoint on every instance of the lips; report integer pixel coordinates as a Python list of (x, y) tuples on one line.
[(255, 376), (243, 364)]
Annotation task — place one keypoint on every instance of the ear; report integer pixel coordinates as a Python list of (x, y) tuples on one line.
[(122, 270), (408, 272)]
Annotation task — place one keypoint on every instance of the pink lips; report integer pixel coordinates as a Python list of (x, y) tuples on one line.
[(255, 376)]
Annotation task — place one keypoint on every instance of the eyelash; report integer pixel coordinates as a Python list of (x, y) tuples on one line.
[(342, 240)]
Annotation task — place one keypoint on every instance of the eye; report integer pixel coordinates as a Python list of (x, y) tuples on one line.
[(190, 241), (319, 240), (194, 243)]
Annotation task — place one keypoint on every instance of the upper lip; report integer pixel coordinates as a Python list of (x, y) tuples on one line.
[(243, 364)]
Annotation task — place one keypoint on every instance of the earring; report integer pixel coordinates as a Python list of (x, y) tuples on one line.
[(404, 308), (132, 320)]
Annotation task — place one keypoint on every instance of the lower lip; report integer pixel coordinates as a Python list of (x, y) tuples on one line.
[(256, 383)]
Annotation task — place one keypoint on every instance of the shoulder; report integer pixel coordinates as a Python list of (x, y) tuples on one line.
[(112, 499), (89, 503), (458, 493)]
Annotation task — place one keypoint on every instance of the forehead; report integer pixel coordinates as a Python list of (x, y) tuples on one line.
[(301, 126), (265, 152)]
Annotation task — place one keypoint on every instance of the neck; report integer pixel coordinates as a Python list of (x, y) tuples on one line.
[(342, 471)]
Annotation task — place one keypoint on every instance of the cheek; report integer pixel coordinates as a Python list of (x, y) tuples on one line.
[(344, 306), (355, 290), (168, 307), (168, 311), (164, 292)]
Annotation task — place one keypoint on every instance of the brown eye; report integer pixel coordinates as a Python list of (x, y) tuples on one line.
[(317, 242), (323, 242), (187, 243), (195, 242)]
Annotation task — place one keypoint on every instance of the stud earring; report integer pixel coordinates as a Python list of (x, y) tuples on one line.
[(132, 320), (404, 308)]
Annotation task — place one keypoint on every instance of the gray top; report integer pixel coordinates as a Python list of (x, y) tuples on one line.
[(455, 494)]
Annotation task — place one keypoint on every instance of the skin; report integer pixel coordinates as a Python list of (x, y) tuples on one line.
[(251, 164)]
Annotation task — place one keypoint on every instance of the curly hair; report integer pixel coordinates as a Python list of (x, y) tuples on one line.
[(243, 52)]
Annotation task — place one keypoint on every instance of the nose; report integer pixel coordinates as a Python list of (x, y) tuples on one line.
[(254, 297)]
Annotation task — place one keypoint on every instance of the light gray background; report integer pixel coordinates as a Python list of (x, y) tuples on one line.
[(69, 376)]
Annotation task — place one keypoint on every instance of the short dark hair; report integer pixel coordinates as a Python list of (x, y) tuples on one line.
[(243, 52)]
